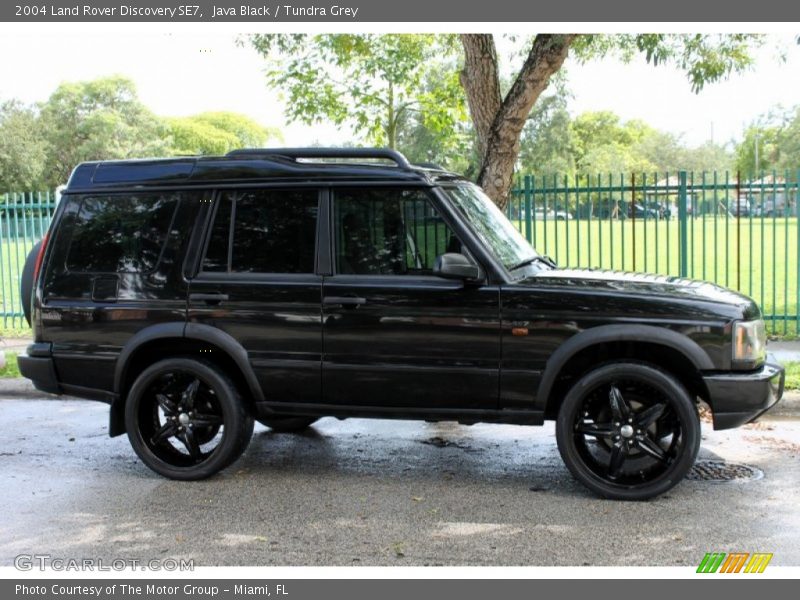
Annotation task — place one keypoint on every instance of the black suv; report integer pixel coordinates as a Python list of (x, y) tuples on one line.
[(196, 295)]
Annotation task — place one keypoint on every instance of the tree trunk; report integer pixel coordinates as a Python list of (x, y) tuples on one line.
[(481, 82), (499, 123), (391, 125)]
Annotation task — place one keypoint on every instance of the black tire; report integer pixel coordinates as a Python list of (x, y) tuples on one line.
[(634, 444), (288, 424), (26, 281), (186, 420)]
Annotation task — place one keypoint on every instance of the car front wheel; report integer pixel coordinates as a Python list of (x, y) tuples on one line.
[(628, 431), (186, 419)]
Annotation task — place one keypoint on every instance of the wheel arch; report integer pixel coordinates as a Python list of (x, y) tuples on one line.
[(666, 348), (172, 339)]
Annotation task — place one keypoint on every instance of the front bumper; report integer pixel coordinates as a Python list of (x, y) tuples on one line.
[(739, 398)]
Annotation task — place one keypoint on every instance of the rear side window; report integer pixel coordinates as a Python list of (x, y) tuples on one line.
[(263, 231), (120, 234)]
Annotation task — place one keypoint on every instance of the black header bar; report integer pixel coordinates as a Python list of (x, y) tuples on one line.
[(366, 11)]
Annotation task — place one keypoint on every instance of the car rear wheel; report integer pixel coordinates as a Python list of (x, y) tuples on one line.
[(186, 419), (288, 424), (628, 431)]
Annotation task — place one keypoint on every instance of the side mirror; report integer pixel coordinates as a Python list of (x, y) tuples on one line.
[(455, 266)]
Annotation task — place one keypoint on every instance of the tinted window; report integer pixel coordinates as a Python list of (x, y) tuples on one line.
[(274, 231), (389, 232), (120, 233), (217, 255)]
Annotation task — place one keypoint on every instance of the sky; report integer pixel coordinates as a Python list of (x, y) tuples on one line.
[(186, 73)]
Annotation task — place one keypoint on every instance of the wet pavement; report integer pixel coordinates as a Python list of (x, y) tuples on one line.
[(361, 492)]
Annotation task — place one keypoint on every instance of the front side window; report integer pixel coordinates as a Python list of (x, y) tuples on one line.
[(120, 234), (388, 232), (263, 231)]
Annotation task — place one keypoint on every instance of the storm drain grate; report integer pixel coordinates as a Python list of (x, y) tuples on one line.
[(715, 470)]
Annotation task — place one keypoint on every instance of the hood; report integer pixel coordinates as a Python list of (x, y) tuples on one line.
[(659, 287)]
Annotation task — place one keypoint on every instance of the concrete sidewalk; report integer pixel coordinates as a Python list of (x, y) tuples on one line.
[(785, 351), (379, 492), (15, 345)]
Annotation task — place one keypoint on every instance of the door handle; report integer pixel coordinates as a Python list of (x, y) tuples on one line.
[(208, 298), (349, 301)]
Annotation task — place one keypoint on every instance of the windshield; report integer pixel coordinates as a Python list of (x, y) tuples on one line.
[(491, 225)]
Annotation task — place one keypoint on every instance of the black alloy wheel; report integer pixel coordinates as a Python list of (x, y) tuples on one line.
[(628, 431), (186, 420)]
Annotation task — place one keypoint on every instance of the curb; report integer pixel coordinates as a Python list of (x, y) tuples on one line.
[(22, 389), (789, 406)]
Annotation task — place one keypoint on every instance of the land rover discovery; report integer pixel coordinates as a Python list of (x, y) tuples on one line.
[(196, 295)]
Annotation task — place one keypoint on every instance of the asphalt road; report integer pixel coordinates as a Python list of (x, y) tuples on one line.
[(362, 492)]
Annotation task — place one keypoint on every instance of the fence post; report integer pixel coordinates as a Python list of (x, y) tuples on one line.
[(528, 210), (683, 234)]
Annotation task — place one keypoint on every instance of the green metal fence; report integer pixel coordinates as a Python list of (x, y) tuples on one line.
[(24, 219), (739, 232)]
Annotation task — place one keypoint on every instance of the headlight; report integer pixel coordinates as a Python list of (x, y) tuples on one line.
[(749, 342)]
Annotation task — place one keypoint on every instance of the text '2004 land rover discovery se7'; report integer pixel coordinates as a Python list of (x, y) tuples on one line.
[(198, 294)]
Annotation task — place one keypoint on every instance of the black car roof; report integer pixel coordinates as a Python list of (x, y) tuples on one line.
[(274, 165)]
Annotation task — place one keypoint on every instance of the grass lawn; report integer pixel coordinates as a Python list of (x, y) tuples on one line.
[(792, 375), (11, 369), (12, 259), (22, 331)]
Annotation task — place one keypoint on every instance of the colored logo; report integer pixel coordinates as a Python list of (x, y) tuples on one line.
[(735, 562)]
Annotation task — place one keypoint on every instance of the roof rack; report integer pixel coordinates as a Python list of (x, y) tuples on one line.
[(295, 153)]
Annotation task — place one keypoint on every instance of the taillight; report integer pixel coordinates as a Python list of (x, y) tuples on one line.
[(39, 257)]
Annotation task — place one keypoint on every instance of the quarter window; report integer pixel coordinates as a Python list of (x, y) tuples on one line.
[(120, 234), (263, 231)]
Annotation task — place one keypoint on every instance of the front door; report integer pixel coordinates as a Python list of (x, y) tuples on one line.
[(395, 335)]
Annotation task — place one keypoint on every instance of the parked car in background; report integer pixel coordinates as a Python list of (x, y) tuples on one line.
[(540, 214), (741, 207), (662, 211), (637, 211)]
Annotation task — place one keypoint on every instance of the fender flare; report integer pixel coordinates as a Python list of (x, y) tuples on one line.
[(148, 334), (619, 333), (188, 331), (229, 344)]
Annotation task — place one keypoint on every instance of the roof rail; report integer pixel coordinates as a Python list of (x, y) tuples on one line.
[(386, 153)]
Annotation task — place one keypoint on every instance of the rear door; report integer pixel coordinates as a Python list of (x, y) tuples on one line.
[(256, 281)]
